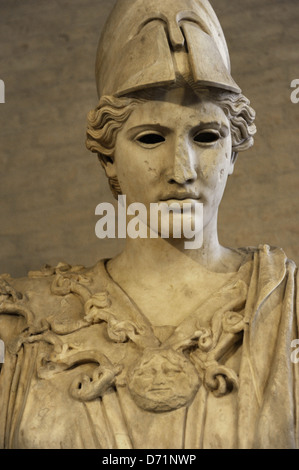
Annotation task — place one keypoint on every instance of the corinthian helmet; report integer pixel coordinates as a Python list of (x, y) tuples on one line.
[(148, 43)]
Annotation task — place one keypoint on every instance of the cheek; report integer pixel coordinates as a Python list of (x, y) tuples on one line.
[(221, 175), (132, 161), (150, 170), (136, 173), (215, 167)]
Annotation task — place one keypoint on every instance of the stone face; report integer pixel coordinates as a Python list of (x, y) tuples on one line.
[(159, 337)]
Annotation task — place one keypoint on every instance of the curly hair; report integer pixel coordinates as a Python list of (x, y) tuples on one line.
[(106, 120)]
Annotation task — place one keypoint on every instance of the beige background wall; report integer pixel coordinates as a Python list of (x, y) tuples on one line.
[(50, 184)]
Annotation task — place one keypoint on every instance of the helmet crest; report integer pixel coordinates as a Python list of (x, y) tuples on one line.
[(143, 41)]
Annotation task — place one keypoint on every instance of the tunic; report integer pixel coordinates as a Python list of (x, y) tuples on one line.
[(84, 368)]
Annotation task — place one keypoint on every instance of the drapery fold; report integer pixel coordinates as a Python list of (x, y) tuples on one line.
[(264, 408)]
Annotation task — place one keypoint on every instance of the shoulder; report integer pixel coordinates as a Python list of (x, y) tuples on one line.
[(47, 298), (268, 252)]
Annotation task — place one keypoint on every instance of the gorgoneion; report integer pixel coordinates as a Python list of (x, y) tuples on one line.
[(166, 220)]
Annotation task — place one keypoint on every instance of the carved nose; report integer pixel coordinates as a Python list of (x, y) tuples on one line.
[(182, 170), (159, 378)]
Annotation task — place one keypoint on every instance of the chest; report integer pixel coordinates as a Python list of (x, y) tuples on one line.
[(169, 303), (52, 418)]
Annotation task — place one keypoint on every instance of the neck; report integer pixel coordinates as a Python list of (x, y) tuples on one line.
[(168, 257)]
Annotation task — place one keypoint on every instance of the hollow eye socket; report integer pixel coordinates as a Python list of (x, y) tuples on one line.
[(151, 139), (206, 137)]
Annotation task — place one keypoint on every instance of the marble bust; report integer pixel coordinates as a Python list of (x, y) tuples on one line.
[(160, 347)]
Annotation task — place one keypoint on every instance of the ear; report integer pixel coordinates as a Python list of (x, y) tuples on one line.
[(108, 165), (232, 162)]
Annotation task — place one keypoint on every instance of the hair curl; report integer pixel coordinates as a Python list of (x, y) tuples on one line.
[(108, 117)]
